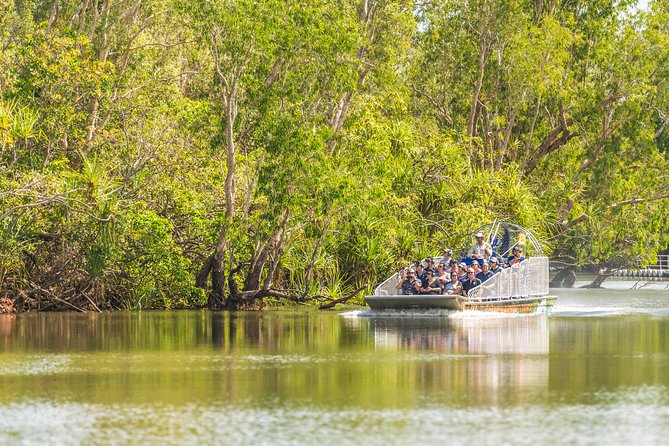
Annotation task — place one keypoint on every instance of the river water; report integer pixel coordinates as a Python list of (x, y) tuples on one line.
[(596, 371)]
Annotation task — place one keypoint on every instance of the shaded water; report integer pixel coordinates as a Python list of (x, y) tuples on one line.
[(594, 372)]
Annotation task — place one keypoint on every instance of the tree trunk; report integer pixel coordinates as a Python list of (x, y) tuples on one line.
[(203, 275), (230, 181), (272, 248), (601, 277), (217, 295), (565, 278)]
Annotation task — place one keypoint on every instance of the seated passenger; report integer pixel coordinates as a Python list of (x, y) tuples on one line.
[(443, 272), (453, 287), (494, 266), (481, 249), (471, 282), (430, 264), (485, 273), (433, 286), (421, 274), (408, 283), (517, 256), (453, 266), (462, 272), (447, 255)]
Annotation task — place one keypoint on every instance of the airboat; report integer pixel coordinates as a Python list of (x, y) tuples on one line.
[(519, 288)]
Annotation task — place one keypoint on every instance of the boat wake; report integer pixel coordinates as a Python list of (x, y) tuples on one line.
[(610, 302), (581, 311)]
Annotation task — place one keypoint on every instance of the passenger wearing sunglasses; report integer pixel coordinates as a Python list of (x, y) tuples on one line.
[(517, 256), (408, 283), (454, 287), (471, 282), (432, 286)]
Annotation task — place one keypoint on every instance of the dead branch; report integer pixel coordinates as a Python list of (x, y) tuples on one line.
[(343, 299)]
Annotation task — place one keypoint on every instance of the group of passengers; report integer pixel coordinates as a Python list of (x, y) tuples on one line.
[(451, 277)]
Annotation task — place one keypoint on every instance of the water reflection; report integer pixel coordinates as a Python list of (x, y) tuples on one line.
[(471, 333), (369, 378), (360, 359), (479, 351)]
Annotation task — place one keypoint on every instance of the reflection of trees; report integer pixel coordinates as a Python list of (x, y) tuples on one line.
[(6, 328), (609, 352), (120, 331), (276, 357)]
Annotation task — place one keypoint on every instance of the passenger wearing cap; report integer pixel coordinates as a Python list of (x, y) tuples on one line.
[(480, 249), (453, 266), (485, 273), (517, 256), (462, 272), (494, 265), (430, 265)]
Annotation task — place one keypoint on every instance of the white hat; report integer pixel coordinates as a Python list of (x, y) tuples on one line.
[(480, 234)]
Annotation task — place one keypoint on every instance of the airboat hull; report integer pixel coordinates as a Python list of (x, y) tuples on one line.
[(415, 302), (519, 305)]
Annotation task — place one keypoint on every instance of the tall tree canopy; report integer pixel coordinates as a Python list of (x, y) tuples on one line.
[(166, 154)]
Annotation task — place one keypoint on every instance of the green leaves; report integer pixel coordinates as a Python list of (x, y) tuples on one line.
[(363, 135)]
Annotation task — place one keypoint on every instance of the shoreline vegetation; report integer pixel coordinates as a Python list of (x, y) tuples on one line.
[(232, 154)]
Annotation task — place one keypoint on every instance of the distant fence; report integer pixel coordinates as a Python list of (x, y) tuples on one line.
[(662, 263), (660, 269)]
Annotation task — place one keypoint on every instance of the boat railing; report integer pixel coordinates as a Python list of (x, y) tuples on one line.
[(528, 278), (388, 287)]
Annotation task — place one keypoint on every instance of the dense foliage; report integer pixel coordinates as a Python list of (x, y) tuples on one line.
[(170, 154)]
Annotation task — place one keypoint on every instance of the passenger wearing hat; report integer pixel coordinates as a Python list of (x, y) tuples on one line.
[(430, 265), (453, 266), (517, 256), (494, 265), (480, 249), (462, 272)]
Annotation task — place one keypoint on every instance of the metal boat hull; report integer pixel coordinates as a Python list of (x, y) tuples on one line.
[(421, 301), (521, 305)]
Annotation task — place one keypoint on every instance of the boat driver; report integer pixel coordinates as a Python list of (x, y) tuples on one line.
[(480, 249)]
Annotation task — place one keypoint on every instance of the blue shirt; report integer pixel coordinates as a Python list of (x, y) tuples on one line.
[(484, 276), (513, 259)]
